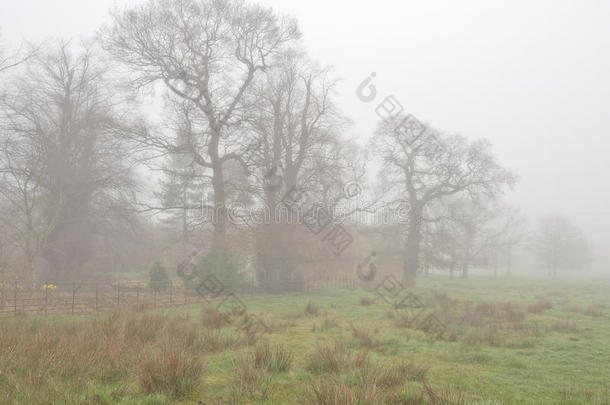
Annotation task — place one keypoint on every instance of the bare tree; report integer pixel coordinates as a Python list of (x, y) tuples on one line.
[(472, 233), (11, 59), (208, 53), (430, 167), (299, 127), (514, 231), (23, 205), (560, 244), (64, 153)]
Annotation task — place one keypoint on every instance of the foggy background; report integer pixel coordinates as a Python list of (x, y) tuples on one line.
[(532, 77)]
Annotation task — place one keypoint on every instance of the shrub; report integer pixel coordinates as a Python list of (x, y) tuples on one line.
[(223, 264), (159, 278), (367, 301)]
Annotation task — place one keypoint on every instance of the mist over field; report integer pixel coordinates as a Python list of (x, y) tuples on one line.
[(283, 202)]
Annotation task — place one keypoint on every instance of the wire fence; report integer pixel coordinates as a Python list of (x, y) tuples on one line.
[(92, 297)]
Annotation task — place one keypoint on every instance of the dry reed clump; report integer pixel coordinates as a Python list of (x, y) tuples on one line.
[(174, 373), (212, 318), (253, 377), (275, 360), (363, 337), (329, 359), (539, 306), (371, 384)]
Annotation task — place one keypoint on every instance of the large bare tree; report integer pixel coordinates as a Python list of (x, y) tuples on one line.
[(64, 153), (299, 129), (425, 167), (208, 53)]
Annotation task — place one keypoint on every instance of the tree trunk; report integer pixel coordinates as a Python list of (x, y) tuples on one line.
[(465, 271), (412, 248), (219, 216)]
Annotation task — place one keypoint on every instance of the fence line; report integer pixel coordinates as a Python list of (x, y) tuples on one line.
[(92, 297)]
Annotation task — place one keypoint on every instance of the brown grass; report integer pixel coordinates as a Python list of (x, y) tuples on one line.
[(161, 353), (212, 318), (328, 359)]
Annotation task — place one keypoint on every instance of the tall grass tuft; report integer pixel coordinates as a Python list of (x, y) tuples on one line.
[(175, 374)]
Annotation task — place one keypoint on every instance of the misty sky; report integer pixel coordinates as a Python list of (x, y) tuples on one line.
[(531, 76)]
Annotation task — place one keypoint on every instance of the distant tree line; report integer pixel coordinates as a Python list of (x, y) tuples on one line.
[(91, 183)]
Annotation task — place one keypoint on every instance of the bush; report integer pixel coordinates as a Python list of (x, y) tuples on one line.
[(224, 265), (159, 278)]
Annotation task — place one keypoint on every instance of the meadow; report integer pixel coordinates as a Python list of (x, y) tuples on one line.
[(505, 341)]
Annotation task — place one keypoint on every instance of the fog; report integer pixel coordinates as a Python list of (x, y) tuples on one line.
[(272, 202), (529, 76)]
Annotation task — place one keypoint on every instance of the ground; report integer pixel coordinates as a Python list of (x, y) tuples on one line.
[(504, 341)]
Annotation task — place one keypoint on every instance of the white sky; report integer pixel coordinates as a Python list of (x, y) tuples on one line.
[(532, 76)]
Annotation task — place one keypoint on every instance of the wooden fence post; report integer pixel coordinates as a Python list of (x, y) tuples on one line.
[(96, 297), (118, 293), (171, 292)]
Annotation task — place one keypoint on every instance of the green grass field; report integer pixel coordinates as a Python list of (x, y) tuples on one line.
[(506, 342)]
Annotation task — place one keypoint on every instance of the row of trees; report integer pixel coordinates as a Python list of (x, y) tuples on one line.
[(247, 117)]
